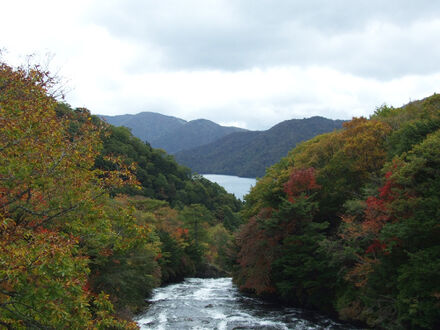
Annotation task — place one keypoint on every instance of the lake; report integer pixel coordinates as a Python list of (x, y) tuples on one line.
[(232, 184)]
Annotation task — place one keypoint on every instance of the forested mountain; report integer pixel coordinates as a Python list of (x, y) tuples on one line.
[(147, 126), (169, 133), (91, 217), (191, 135), (207, 147), (248, 154), (349, 222)]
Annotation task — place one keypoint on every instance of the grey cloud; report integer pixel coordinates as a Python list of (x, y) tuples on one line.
[(237, 35)]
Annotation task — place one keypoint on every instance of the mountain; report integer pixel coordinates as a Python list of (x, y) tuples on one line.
[(207, 147), (147, 126), (192, 134), (248, 154), (170, 133)]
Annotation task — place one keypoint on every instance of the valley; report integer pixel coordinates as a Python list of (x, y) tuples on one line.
[(343, 219), (206, 147)]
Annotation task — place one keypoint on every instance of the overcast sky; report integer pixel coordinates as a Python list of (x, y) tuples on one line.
[(249, 63)]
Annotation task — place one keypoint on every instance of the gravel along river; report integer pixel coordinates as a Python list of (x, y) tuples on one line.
[(217, 304)]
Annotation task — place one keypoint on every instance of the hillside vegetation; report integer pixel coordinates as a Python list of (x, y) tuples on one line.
[(147, 126), (92, 218), (170, 133), (248, 154), (348, 222), (193, 134)]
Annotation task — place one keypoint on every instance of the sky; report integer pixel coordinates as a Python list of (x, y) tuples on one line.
[(246, 63)]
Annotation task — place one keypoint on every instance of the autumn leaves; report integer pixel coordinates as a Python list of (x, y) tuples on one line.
[(349, 222)]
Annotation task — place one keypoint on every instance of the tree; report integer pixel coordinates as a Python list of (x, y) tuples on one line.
[(398, 234), (49, 194), (279, 249)]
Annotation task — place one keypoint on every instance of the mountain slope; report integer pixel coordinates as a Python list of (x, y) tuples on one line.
[(147, 126), (248, 154), (192, 134), (170, 133)]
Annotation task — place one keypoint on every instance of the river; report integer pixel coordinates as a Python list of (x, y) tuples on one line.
[(217, 304)]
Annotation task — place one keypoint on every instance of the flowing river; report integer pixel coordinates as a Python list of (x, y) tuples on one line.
[(217, 304)]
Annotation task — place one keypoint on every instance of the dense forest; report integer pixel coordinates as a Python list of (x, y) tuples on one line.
[(248, 154), (348, 222), (92, 218)]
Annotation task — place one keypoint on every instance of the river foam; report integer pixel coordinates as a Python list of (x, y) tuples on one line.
[(217, 304)]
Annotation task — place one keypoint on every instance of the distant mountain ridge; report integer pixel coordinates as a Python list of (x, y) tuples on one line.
[(170, 133), (147, 126), (209, 148), (248, 154), (193, 134)]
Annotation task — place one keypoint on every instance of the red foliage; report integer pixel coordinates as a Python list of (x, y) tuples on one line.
[(255, 257), (180, 233), (376, 246), (86, 287), (301, 181), (378, 210)]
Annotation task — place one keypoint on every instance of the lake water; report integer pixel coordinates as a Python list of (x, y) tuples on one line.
[(232, 184), (217, 304)]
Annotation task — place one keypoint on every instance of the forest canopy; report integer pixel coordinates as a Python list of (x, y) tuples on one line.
[(91, 218), (348, 222)]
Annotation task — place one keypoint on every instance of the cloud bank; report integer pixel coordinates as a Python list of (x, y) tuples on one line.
[(244, 62)]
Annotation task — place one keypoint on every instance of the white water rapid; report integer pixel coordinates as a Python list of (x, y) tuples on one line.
[(217, 304)]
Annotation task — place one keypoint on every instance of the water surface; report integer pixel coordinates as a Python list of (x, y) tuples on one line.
[(232, 184), (217, 304)]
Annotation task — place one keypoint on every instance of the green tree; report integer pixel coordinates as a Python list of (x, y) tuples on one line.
[(47, 186)]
